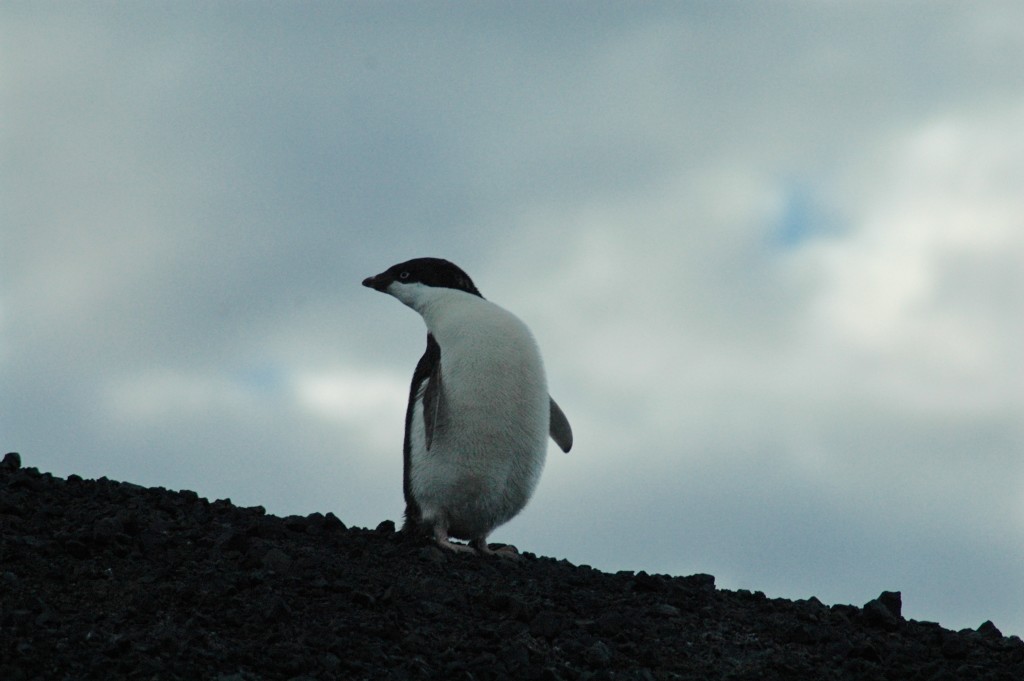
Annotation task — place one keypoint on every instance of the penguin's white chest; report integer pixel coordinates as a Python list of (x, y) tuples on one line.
[(489, 440)]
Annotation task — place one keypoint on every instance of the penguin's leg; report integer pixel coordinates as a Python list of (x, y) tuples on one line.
[(441, 539)]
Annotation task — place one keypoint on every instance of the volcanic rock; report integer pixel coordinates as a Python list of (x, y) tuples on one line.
[(109, 580)]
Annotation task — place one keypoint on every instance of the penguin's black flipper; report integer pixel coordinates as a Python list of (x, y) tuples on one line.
[(560, 430), (432, 398)]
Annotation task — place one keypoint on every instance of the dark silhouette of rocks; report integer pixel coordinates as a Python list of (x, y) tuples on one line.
[(110, 580)]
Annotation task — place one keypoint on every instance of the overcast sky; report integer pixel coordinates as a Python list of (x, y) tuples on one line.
[(773, 253)]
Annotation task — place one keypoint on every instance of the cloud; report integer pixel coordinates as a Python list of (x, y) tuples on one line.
[(356, 400), (941, 228)]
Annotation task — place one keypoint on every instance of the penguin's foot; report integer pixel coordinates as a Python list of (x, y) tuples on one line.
[(504, 551), (444, 543), (478, 545), (441, 539)]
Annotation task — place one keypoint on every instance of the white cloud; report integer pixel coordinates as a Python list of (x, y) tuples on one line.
[(370, 406), (929, 275), (157, 396)]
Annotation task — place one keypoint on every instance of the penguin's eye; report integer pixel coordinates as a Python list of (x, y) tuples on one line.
[(403, 275)]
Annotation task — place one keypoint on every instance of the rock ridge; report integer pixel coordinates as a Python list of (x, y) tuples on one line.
[(104, 579)]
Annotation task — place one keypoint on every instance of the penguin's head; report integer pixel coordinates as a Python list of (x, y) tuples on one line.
[(409, 281)]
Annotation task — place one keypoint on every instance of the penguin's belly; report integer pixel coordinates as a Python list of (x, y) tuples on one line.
[(489, 441)]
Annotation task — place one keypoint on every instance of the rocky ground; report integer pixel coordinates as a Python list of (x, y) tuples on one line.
[(109, 580)]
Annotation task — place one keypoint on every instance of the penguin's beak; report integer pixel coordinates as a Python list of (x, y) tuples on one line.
[(379, 282)]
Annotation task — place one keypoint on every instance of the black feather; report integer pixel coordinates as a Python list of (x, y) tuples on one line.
[(426, 368)]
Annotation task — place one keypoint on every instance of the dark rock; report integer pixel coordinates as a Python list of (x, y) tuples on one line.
[(884, 611), (549, 624), (102, 579), (954, 647), (295, 523), (12, 461), (611, 623), (893, 602), (700, 581), (665, 610), (805, 634), (648, 583), (598, 655), (432, 554), (277, 560), (866, 651), (333, 523), (989, 630), (76, 549), (273, 609)]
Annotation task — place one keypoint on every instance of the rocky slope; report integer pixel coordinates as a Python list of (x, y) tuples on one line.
[(107, 580)]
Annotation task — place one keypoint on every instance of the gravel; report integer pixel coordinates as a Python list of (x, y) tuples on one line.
[(110, 580)]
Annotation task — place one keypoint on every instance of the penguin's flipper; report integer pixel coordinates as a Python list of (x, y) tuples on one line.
[(560, 430), (432, 398)]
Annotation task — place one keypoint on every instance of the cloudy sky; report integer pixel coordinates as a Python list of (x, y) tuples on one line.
[(772, 252)]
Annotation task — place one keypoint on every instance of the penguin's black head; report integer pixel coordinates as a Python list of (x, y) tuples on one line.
[(434, 272)]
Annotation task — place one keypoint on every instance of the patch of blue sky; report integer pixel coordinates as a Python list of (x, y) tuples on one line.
[(261, 378), (804, 215)]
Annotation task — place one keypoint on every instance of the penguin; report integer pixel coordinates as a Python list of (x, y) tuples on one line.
[(479, 413)]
